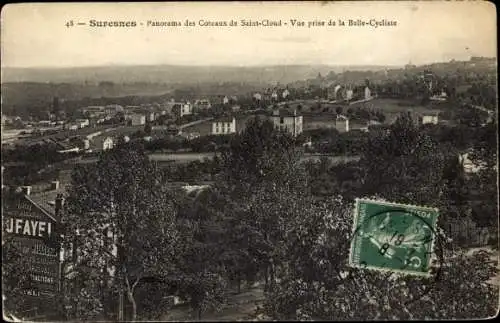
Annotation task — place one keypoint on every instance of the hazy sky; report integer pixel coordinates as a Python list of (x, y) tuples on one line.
[(36, 35)]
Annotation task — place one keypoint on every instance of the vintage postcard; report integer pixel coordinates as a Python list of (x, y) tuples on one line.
[(271, 160)]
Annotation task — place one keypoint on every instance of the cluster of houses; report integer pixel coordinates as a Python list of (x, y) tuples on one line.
[(137, 115), (288, 120), (186, 107), (272, 95), (349, 92), (18, 122), (144, 113), (292, 121), (77, 124), (90, 143), (335, 93)]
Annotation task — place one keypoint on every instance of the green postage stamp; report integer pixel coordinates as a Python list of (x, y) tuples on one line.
[(393, 237)]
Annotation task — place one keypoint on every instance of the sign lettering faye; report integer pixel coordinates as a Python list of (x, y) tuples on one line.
[(29, 227)]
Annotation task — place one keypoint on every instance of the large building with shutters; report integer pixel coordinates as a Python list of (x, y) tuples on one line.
[(287, 121), (224, 126)]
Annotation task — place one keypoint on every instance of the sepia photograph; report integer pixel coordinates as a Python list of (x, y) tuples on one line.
[(249, 161)]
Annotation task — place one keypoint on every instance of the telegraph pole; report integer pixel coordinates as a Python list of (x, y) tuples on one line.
[(121, 282), (120, 304)]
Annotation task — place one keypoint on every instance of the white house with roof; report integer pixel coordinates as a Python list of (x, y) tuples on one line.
[(102, 143), (285, 93), (150, 116), (469, 166), (91, 110), (333, 92), (257, 96), (368, 93), (181, 109), (441, 97), (107, 143), (349, 94), (342, 123), (138, 119), (71, 126), (204, 104), (186, 108), (224, 126), (289, 121), (82, 123), (429, 118), (113, 109)]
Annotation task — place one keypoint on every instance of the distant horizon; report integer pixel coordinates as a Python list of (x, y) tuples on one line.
[(237, 65)]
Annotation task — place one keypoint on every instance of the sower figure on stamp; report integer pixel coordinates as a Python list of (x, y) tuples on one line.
[(381, 235)]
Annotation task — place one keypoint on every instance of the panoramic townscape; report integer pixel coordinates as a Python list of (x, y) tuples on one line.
[(181, 193)]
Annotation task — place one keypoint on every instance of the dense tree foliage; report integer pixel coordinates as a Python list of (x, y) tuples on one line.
[(25, 165), (403, 165), (320, 286), (262, 154), (120, 219), (270, 218)]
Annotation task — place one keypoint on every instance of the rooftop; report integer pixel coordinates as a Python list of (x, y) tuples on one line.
[(224, 119), (64, 145), (373, 122), (286, 113), (44, 195), (46, 200), (432, 114)]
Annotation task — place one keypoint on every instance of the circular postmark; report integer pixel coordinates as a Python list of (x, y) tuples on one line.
[(398, 239)]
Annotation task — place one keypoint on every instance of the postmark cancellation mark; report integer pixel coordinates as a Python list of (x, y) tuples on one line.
[(393, 237)]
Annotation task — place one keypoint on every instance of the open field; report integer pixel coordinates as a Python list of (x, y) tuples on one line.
[(393, 107), (326, 120), (204, 128), (319, 121), (398, 106)]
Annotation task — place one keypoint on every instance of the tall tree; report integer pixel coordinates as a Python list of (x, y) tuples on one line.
[(261, 165), (121, 216), (484, 153), (201, 267), (403, 164), (261, 154)]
